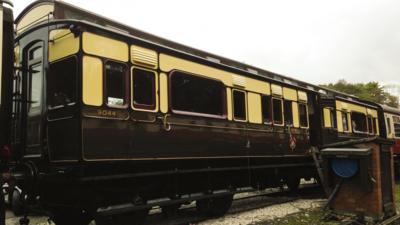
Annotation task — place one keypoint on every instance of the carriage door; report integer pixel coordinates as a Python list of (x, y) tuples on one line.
[(34, 87)]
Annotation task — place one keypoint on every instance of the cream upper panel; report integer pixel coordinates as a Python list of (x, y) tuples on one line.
[(169, 63), (289, 94), (302, 96), (105, 47), (62, 43), (39, 13), (350, 107)]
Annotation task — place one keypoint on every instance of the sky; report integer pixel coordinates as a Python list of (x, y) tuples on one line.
[(316, 41)]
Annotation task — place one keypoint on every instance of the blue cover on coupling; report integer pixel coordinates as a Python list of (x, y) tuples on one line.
[(344, 168)]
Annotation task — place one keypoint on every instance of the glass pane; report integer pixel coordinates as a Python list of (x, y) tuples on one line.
[(143, 89), (36, 85), (389, 125), (277, 111), (333, 118), (375, 129), (36, 53), (303, 115), (61, 82), (397, 129), (195, 94), (239, 105), (115, 84), (266, 109), (288, 112), (359, 122), (370, 125), (345, 122)]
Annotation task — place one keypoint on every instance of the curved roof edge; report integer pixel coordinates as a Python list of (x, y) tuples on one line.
[(61, 7), (390, 109), (29, 7)]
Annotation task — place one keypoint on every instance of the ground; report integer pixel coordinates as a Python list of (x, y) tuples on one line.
[(315, 216), (300, 212)]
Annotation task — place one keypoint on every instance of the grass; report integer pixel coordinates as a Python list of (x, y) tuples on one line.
[(397, 195), (316, 216), (307, 217)]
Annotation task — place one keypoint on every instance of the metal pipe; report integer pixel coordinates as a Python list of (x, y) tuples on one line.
[(333, 194)]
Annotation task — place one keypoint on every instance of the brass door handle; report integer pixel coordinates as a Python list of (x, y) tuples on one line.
[(164, 119)]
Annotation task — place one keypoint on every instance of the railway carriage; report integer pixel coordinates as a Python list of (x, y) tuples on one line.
[(347, 117), (103, 114), (391, 121)]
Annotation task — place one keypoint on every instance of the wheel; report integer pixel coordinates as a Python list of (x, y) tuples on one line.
[(17, 206), (132, 218), (293, 183), (68, 217), (170, 210), (217, 206)]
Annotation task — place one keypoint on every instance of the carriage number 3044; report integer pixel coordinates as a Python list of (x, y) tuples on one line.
[(104, 112)]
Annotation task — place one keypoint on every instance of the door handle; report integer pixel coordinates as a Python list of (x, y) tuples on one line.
[(164, 119)]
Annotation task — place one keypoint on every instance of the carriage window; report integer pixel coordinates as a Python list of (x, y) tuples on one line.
[(371, 129), (303, 115), (333, 118), (397, 129), (345, 122), (115, 84), (36, 85), (287, 105), (192, 94), (389, 125), (396, 122), (143, 89), (277, 111), (61, 89), (239, 105), (266, 109), (35, 79), (358, 122), (36, 53)]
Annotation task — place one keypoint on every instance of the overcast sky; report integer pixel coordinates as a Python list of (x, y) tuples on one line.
[(315, 41)]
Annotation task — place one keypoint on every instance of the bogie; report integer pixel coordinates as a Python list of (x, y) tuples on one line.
[(216, 206)]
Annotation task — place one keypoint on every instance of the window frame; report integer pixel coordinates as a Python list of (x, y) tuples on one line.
[(282, 112), (396, 121), (269, 98), (332, 115), (76, 83), (188, 113), (370, 125), (105, 92), (290, 102), (396, 135), (348, 130), (245, 105), (375, 125), (144, 107), (31, 67), (307, 119), (353, 130), (32, 62), (388, 126)]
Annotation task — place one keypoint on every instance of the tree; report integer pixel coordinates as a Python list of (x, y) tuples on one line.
[(370, 91)]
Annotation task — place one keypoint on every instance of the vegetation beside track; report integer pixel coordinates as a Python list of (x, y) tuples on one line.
[(316, 216)]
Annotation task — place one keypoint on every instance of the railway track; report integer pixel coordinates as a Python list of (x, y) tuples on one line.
[(243, 202)]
